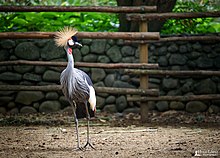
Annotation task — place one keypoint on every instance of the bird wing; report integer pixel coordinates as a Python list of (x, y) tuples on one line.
[(86, 77), (92, 97), (78, 86)]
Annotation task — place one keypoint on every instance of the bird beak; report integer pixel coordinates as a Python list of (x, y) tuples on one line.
[(78, 44)]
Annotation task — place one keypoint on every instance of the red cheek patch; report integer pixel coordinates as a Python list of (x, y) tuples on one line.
[(69, 50)]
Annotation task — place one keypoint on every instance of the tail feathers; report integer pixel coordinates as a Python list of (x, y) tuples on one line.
[(81, 111)]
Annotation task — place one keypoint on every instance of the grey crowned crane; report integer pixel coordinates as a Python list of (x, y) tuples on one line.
[(76, 85)]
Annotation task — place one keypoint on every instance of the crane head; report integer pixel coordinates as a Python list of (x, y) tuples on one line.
[(66, 37), (73, 42)]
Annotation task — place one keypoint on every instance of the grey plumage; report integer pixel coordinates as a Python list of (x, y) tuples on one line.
[(74, 86)]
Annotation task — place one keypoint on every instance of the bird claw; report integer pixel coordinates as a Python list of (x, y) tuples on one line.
[(89, 144), (79, 149)]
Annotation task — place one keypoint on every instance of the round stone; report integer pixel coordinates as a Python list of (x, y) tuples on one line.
[(206, 86), (214, 109), (63, 101), (103, 59), (121, 103), (170, 83), (195, 106), (28, 110), (23, 68), (51, 96), (90, 58), (110, 99), (28, 97), (98, 46), (3, 110), (172, 48), (162, 106), (49, 106), (5, 100), (50, 75), (85, 50), (27, 50), (32, 77), (11, 105), (13, 111), (4, 55), (111, 108), (177, 105), (50, 51), (100, 102), (10, 76), (177, 59), (7, 44), (114, 54), (109, 80), (98, 74), (127, 51)]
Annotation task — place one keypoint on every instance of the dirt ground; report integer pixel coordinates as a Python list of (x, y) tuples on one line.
[(168, 134)]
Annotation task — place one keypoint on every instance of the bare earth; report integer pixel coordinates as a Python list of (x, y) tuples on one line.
[(53, 139)]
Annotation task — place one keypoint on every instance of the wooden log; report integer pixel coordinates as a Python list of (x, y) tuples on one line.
[(176, 98), (29, 88), (26, 35), (120, 35), (171, 39), (162, 16), (90, 35), (82, 64), (107, 9), (174, 73), (152, 92)]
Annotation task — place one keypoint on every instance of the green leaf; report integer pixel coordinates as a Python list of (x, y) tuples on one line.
[(19, 21)]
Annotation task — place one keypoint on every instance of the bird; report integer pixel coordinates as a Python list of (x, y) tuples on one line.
[(76, 85)]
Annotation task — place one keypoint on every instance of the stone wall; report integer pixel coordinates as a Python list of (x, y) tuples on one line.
[(170, 55)]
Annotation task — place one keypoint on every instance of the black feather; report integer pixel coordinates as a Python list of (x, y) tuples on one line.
[(74, 38)]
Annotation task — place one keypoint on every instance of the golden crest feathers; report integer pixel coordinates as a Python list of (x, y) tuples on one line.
[(62, 36)]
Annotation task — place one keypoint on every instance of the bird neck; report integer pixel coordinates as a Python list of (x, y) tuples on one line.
[(70, 57)]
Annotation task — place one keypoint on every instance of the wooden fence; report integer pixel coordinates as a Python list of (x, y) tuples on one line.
[(142, 38)]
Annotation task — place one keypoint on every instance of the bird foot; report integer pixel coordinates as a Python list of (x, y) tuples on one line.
[(79, 148), (89, 144)]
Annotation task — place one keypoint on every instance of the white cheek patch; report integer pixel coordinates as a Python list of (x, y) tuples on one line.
[(70, 42)]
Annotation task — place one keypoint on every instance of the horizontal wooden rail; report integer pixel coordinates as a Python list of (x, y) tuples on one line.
[(171, 39), (176, 98), (90, 35), (108, 9), (82, 64), (170, 15), (173, 72), (152, 92)]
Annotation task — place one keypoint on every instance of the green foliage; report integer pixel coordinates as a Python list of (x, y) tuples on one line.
[(94, 22), (53, 21), (195, 25)]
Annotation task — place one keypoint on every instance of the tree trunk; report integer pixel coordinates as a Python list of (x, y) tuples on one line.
[(154, 26)]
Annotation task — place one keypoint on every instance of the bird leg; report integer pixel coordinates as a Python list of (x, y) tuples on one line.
[(88, 138), (76, 123)]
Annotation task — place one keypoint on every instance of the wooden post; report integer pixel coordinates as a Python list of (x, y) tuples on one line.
[(143, 56)]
